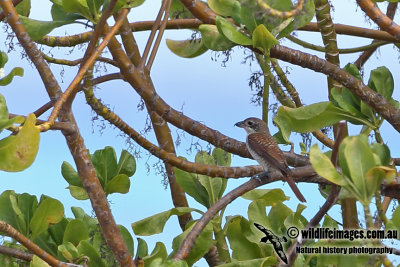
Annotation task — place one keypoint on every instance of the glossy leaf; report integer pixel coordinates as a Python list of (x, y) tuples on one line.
[(375, 176), (9, 77), (132, 3), (345, 103), (78, 192), (222, 7), (214, 40), (324, 167), (188, 48), (27, 205), (311, 118), (5, 122), (37, 29), (119, 184), (105, 162), (19, 151), (142, 250), (155, 223), (271, 196), (68, 251), (247, 18), (381, 154), (381, 81), (263, 39), (301, 19), (24, 8), (179, 11), (200, 248), (191, 185), (356, 158), (70, 175), (78, 6), (237, 231), (38, 262), (49, 211), (267, 261), (85, 248), (127, 239), (126, 163), (396, 217), (231, 32), (159, 252), (58, 13), (9, 211), (75, 232)]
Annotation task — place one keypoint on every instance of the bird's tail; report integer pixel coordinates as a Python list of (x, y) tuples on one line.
[(294, 188)]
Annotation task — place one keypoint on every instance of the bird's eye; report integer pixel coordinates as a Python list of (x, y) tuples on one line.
[(250, 123)]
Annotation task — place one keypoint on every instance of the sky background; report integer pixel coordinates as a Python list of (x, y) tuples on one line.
[(204, 90)]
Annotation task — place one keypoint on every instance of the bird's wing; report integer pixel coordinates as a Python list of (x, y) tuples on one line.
[(266, 147)]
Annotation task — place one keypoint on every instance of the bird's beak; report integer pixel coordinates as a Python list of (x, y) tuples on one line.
[(240, 124)]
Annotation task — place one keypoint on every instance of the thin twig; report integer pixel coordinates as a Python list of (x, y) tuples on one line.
[(159, 36), (155, 26)]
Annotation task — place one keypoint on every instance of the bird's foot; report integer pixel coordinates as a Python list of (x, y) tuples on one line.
[(261, 176)]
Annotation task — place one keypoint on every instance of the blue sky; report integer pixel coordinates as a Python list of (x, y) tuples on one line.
[(215, 95)]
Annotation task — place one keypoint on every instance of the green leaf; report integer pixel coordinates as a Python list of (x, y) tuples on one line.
[(132, 3), (179, 11), (78, 6), (75, 232), (311, 118), (126, 163), (9, 77), (324, 167), (301, 19), (345, 103), (375, 176), (27, 205), (68, 251), (105, 163), (59, 14), (267, 261), (78, 192), (188, 48), (37, 29), (381, 81), (231, 32), (396, 217), (9, 211), (127, 238), (3, 59), (85, 248), (200, 248), (238, 231), (271, 196), (38, 262), (49, 211), (214, 40), (5, 122), (222, 7), (155, 224), (119, 184), (159, 252), (213, 186), (17, 152), (191, 185), (381, 154), (356, 158), (24, 8), (247, 18), (142, 250), (56, 231), (263, 39), (94, 6), (70, 175)]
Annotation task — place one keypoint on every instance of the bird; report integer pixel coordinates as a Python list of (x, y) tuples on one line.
[(275, 241), (265, 150)]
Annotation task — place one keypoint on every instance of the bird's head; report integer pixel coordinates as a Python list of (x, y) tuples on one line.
[(253, 125)]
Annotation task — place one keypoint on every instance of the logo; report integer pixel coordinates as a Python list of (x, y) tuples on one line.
[(275, 240)]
